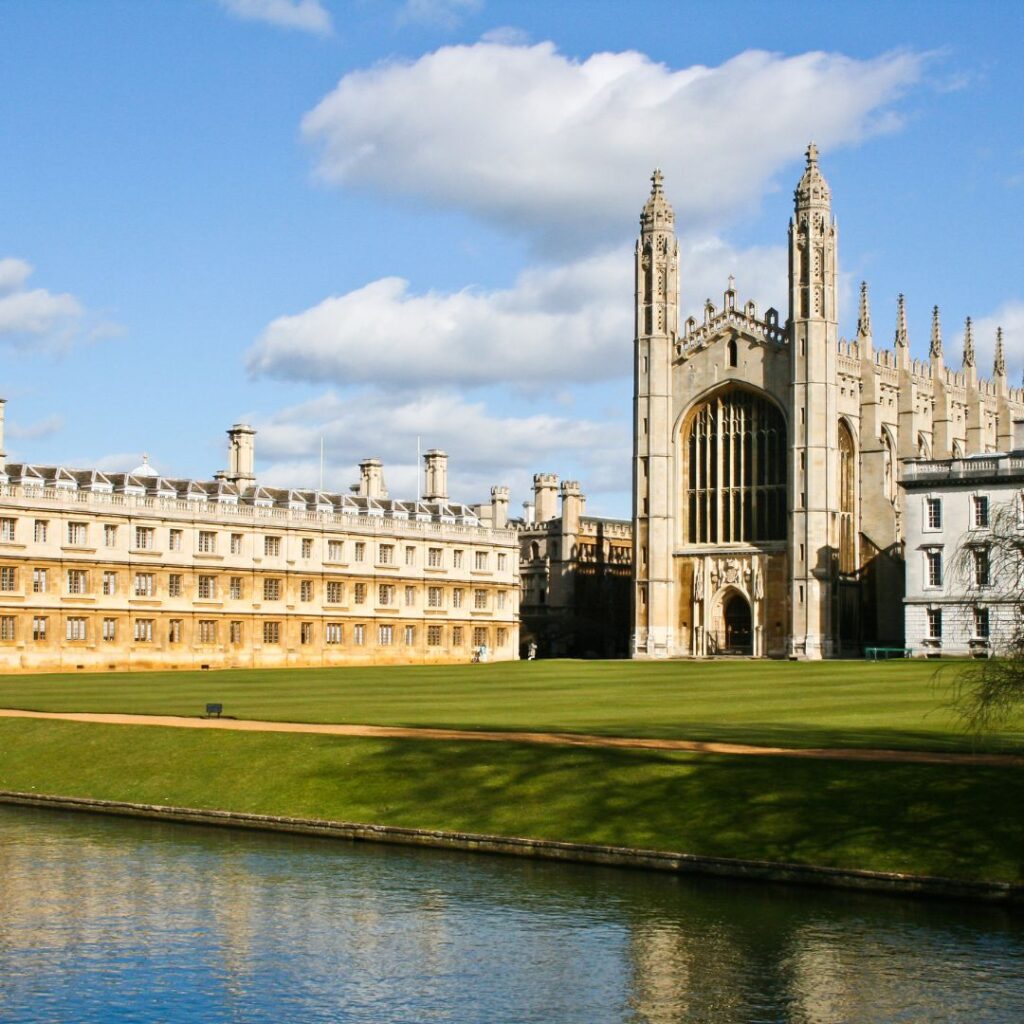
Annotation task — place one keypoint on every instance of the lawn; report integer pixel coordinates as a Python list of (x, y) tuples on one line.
[(897, 704), (940, 820)]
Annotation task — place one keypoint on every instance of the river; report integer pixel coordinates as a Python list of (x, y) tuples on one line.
[(110, 920)]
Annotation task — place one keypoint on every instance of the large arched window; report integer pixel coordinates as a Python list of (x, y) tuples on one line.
[(847, 498), (734, 444)]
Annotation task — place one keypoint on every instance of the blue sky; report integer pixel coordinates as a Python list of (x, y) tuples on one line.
[(372, 220)]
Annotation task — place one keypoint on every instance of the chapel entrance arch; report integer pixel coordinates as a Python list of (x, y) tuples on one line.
[(732, 625)]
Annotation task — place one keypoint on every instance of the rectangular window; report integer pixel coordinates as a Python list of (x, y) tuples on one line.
[(207, 631), (206, 587), (143, 538), (981, 623), (235, 588), (433, 636), (39, 581), (39, 531), (6, 627), (109, 630), (934, 568), (109, 536), (335, 592), (305, 590), (78, 581), (359, 634), (410, 597), (385, 636), (271, 632), (359, 593), (236, 543), (307, 547), (360, 551), (502, 636), (457, 558), (174, 585), (410, 636), (410, 556), (77, 533), (143, 584), (39, 626), (8, 578), (501, 600), (479, 636), (272, 589), (933, 513), (74, 628), (981, 567), (143, 630), (174, 631), (335, 550), (272, 546), (502, 561), (385, 554), (7, 529), (207, 543), (174, 540), (457, 597), (108, 587), (306, 633), (481, 559), (434, 557), (456, 636), (235, 632), (479, 599), (979, 507), (333, 633), (385, 594), (435, 597)]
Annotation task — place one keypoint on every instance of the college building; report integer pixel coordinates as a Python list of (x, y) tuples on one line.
[(767, 514), (106, 570)]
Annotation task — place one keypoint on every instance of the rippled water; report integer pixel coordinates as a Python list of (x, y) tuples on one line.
[(114, 920)]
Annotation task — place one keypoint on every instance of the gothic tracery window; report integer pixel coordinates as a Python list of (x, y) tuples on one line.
[(847, 499), (735, 451)]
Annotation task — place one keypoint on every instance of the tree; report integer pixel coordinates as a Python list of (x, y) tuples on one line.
[(989, 565)]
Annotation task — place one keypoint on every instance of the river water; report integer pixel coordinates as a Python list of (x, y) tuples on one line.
[(112, 920)]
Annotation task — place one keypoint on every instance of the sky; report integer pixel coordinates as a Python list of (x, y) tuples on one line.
[(398, 223)]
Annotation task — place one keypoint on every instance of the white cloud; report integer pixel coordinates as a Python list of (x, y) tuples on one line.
[(560, 150), (1009, 316), (41, 429), (34, 317), (443, 13), (306, 15), (555, 326)]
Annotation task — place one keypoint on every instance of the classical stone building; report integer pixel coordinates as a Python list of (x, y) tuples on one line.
[(106, 570), (766, 508), (575, 573)]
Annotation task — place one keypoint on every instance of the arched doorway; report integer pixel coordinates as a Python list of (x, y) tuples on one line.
[(739, 634)]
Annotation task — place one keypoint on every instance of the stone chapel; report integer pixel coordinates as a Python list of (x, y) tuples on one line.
[(767, 515)]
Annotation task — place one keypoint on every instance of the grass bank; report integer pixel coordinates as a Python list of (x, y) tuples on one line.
[(942, 820), (896, 704)]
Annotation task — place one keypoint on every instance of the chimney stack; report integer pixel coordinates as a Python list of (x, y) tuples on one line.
[(371, 479), (241, 455), (435, 484)]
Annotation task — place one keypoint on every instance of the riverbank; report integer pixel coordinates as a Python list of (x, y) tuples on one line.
[(919, 819)]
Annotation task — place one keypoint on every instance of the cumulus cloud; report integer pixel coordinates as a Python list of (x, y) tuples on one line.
[(555, 326), (305, 15), (442, 13), (560, 149), (41, 429), (34, 317)]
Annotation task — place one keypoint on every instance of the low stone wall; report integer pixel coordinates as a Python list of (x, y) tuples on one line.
[(581, 853)]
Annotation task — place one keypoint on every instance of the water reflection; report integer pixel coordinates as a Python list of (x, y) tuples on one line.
[(109, 920)]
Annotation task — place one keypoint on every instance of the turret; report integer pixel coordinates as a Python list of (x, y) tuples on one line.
[(573, 503), (499, 507), (435, 484), (545, 496), (241, 455)]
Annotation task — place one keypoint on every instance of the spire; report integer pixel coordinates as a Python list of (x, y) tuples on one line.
[(657, 212), (968, 343), (812, 189), (864, 319), (901, 322), (935, 351), (999, 366)]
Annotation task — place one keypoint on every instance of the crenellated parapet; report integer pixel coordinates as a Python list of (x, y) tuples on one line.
[(732, 320)]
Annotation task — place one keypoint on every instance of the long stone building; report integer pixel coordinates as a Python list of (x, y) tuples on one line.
[(134, 570), (766, 507)]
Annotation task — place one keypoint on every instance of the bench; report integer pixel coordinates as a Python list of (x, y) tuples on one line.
[(214, 709), (884, 653)]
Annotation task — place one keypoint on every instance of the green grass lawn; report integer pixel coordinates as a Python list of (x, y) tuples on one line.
[(942, 820), (897, 704)]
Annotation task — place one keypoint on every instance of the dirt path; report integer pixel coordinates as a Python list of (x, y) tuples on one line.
[(560, 739)]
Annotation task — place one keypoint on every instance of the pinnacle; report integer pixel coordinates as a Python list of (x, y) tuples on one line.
[(864, 319), (812, 155), (936, 345)]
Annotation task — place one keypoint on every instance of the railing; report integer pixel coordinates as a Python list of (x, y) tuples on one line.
[(995, 465)]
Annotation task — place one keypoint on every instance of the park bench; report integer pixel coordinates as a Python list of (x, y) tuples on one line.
[(214, 709)]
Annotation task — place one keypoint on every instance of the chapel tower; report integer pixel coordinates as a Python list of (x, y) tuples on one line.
[(814, 417), (656, 327)]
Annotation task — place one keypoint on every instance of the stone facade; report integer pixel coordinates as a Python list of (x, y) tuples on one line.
[(134, 570), (767, 516)]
